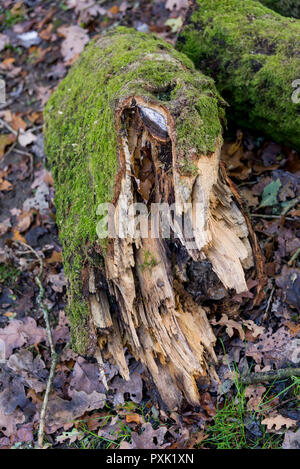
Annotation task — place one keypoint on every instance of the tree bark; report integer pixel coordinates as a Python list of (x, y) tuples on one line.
[(253, 55), (284, 7), (133, 122)]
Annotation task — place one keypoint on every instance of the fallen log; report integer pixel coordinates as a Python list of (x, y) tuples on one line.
[(253, 55), (134, 123), (284, 7)]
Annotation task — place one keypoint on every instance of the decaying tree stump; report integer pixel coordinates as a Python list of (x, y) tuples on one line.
[(133, 122), (284, 7), (254, 56)]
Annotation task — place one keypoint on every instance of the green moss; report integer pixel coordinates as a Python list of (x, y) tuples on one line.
[(8, 274), (253, 54), (149, 261), (81, 140), (11, 19), (284, 7)]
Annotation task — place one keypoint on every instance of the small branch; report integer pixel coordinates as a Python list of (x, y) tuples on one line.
[(261, 215), (5, 105), (290, 205), (5, 124), (11, 148), (268, 304), (262, 377), (54, 356), (294, 257)]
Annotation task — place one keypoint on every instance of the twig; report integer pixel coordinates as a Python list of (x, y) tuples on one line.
[(261, 215), (254, 378), (37, 127), (268, 304), (294, 256), (54, 356), (5, 124), (11, 148), (30, 156), (290, 205), (4, 105)]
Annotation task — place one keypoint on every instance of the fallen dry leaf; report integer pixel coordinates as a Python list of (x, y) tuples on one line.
[(147, 439), (5, 140), (291, 440), (5, 185), (26, 138), (87, 9), (176, 4), (86, 377), (4, 41), (63, 412), (58, 281), (19, 333), (134, 388), (31, 369), (17, 122), (231, 324), (278, 421), (276, 348), (254, 393), (133, 418), (24, 221), (75, 40)]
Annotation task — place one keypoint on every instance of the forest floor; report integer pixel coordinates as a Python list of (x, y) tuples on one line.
[(39, 40)]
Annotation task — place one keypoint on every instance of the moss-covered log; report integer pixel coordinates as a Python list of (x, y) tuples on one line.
[(254, 56), (133, 121), (284, 7)]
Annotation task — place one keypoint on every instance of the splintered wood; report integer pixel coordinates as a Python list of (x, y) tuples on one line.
[(155, 317)]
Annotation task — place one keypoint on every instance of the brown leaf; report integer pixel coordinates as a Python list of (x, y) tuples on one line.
[(293, 328), (278, 421), (254, 393), (26, 138), (75, 40), (176, 4), (5, 226), (114, 10), (24, 221), (4, 41), (47, 32), (17, 236), (86, 377), (135, 418), (8, 423), (230, 325), (5, 185), (5, 140), (247, 194), (291, 440), (17, 122), (31, 369), (134, 387), (58, 281), (63, 412), (19, 333), (275, 348), (147, 439), (55, 258)]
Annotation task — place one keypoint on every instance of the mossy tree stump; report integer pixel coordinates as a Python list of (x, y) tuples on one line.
[(253, 55), (134, 122), (284, 7)]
